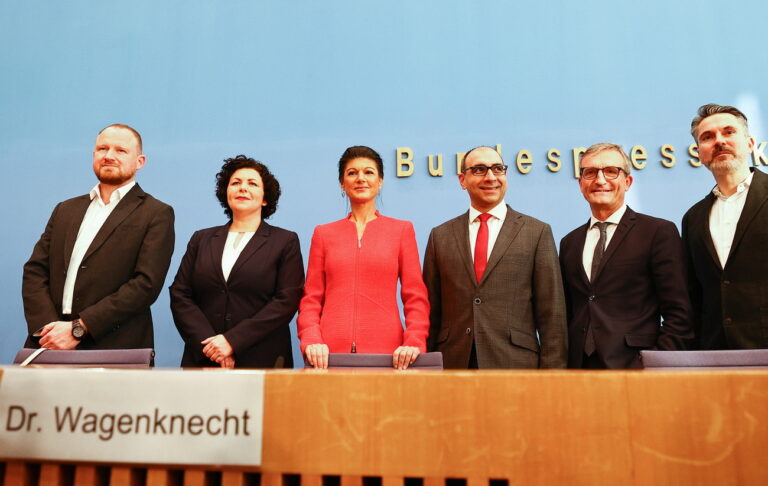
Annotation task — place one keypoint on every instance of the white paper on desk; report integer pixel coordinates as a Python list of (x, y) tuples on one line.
[(132, 416)]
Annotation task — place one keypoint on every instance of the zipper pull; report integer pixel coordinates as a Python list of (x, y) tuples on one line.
[(354, 348)]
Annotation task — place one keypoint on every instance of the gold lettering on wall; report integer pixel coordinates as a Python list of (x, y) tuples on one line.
[(553, 156), (667, 152), (459, 161), (638, 157), (577, 153), (693, 151), (758, 156), (435, 171), (524, 162), (404, 161)]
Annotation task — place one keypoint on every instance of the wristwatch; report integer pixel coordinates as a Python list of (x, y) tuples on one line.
[(78, 331)]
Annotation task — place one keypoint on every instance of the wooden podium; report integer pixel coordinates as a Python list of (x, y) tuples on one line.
[(393, 428)]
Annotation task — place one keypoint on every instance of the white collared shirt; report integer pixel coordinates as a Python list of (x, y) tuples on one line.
[(495, 222), (724, 216), (94, 219), (236, 241), (593, 236)]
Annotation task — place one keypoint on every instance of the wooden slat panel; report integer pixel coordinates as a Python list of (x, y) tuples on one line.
[(271, 479), (311, 480), (51, 475), (124, 476), (195, 477), (477, 482), (18, 474), (233, 478), (160, 477), (87, 476), (392, 481), (434, 482), (351, 480)]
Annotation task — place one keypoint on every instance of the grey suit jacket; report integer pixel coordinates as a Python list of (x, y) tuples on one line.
[(516, 314), (121, 274), (730, 303)]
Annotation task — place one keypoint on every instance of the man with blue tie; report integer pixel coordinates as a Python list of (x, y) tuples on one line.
[(623, 272)]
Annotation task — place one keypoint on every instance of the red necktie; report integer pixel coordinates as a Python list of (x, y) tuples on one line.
[(481, 246)]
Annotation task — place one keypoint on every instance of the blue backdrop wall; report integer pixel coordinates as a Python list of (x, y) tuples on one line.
[(293, 83)]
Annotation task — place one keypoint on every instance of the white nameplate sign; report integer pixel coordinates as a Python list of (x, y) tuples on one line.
[(132, 416)]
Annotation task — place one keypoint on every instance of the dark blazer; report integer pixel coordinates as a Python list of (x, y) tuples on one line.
[(252, 309), (516, 314), (731, 303), (641, 279), (120, 276)]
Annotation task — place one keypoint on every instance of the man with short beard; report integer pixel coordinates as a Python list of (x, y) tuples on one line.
[(102, 259), (726, 234)]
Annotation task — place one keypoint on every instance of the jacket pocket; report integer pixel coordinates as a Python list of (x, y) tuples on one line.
[(523, 340), (443, 335), (640, 340)]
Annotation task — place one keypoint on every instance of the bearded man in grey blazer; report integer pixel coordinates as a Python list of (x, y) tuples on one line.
[(102, 259), (493, 278)]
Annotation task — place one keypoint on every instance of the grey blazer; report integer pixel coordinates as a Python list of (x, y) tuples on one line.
[(516, 314)]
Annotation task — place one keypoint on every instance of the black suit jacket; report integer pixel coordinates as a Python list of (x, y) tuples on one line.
[(731, 303), (252, 309), (641, 279), (120, 276)]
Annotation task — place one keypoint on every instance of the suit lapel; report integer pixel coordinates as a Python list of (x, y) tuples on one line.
[(625, 225), (578, 255), (126, 206), (218, 240), (756, 197), (460, 230), (699, 227), (509, 230), (77, 217), (257, 241)]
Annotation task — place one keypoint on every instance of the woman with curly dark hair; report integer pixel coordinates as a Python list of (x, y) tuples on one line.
[(239, 285)]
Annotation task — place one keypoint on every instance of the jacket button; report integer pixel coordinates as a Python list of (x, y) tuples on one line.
[(469, 331), (477, 300), (591, 298)]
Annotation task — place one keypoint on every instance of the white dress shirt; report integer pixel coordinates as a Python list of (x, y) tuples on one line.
[(495, 222), (97, 213), (593, 235), (724, 216), (236, 241)]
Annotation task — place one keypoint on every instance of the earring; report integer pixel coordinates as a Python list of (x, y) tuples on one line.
[(343, 194)]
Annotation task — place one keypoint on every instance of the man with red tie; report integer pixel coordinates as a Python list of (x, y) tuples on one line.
[(493, 279), (623, 273)]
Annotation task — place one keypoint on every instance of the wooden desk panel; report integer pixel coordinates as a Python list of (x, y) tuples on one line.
[(528, 427)]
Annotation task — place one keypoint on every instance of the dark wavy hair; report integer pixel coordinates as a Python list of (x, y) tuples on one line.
[(360, 151), (713, 109), (271, 185)]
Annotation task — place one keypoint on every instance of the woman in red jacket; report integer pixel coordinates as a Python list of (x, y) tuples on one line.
[(350, 296)]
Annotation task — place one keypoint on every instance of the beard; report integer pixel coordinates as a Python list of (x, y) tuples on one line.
[(726, 165), (112, 175)]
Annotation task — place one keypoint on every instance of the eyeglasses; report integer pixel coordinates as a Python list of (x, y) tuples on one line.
[(610, 172), (481, 170)]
